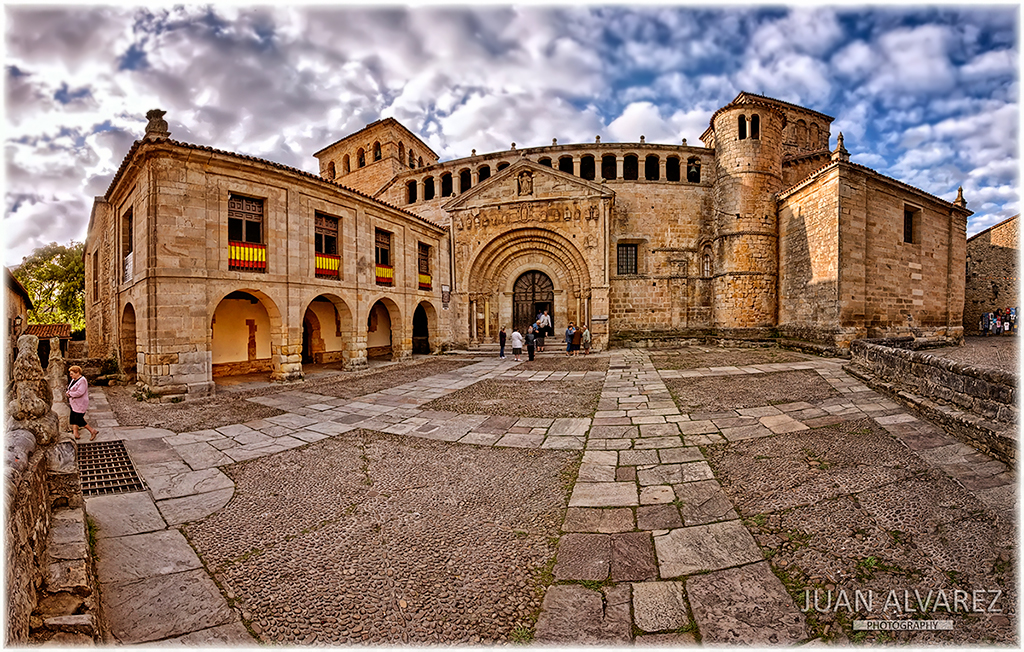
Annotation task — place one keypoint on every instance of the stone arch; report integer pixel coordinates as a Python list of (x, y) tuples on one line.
[(801, 134), (330, 171), (502, 165), (329, 319), (651, 167), (631, 167), (412, 158), (346, 167), (419, 162), (672, 168), (247, 335), (693, 169), (410, 192), (385, 337), (424, 328), (609, 167), (428, 188), (545, 161), (587, 167), (465, 180), (483, 172), (401, 152), (741, 126), (361, 157), (565, 164), (815, 136), (446, 184), (755, 127), (376, 151), (129, 344)]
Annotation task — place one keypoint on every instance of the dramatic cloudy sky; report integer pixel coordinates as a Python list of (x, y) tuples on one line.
[(925, 94)]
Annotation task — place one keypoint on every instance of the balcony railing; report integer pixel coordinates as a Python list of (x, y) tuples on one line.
[(327, 265), (247, 257), (385, 275), (128, 268), (424, 281)]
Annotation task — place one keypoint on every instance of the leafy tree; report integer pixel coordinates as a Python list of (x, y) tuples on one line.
[(54, 276)]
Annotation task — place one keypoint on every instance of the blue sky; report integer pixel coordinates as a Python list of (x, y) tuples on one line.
[(925, 94)]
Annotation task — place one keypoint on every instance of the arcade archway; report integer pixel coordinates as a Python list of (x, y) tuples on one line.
[(532, 294)]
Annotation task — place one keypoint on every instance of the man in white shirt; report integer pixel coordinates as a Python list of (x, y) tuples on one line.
[(517, 343)]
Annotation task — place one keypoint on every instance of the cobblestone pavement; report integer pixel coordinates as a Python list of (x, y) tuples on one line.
[(996, 352), (682, 526)]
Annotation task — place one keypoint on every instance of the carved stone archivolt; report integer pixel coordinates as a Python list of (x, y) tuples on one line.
[(586, 211)]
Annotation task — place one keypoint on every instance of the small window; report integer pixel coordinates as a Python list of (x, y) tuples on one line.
[(428, 188), (401, 152), (345, 166), (419, 162), (755, 127), (672, 169), (693, 170), (741, 127), (502, 166), (631, 167), (361, 157), (245, 219), (465, 180), (565, 164), (128, 234), (382, 241), (706, 263), (911, 224), (651, 165), (326, 228), (424, 258), (376, 151), (545, 161), (410, 189), (412, 159), (608, 167), (96, 276), (330, 171), (483, 173), (587, 167), (446, 184), (627, 259)]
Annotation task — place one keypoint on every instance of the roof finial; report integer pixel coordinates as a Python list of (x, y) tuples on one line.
[(960, 201), (157, 127), (840, 153)]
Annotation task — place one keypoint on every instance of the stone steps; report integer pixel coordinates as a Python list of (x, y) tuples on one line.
[(65, 615)]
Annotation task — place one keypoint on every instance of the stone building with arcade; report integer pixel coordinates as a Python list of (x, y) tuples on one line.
[(203, 262)]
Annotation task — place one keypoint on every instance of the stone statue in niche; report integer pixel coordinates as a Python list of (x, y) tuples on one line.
[(524, 213), (592, 213), (567, 214), (525, 183), (552, 214), (576, 213), (590, 241)]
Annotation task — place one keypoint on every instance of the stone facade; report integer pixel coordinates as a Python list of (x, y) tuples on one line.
[(762, 232), (992, 281)]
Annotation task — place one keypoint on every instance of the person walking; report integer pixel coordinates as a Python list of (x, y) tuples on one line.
[(78, 395), (517, 343), (577, 340), (569, 331), (501, 343), (545, 323), (586, 340), (531, 343), (539, 334)]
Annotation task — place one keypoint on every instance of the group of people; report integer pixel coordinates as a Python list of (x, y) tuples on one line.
[(533, 339), (1001, 322)]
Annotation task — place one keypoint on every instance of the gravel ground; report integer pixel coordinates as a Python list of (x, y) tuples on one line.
[(699, 357), (226, 408), (714, 393), (561, 362), (543, 399), (846, 507), (369, 537), (996, 352)]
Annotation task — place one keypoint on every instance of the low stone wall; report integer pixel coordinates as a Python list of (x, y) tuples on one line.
[(256, 366), (26, 529), (978, 405)]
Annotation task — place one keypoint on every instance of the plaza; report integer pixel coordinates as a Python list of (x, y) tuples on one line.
[(638, 496)]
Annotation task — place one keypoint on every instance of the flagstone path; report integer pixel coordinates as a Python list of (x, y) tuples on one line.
[(652, 549)]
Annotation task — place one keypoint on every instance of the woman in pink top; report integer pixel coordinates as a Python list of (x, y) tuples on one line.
[(78, 395)]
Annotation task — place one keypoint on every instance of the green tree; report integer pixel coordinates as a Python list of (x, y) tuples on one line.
[(54, 276)]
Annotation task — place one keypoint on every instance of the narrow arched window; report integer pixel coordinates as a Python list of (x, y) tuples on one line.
[(483, 173), (419, 162), (410, 188), (651, 164), (741, 127), (755, 126), (428, 188), (587, 167), (608, 167), (815, 136), (693, 170), (330, 171), (502, 166), (412, 159), (465, 180), (401, 152), (565, 164), (345, 166), (672, 168), (631, 167), (361, 157), (545, 161), (446, 184), (705, 269), (376, 151)]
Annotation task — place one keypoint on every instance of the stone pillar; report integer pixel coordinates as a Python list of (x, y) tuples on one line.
[(57, 378), (32, 397), (487, 319), (472, 322), (619, 160)]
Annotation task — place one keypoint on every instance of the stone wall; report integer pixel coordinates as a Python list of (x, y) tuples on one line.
[(978, 404), (992, 275)]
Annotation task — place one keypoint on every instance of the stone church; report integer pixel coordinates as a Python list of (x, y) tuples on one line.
[(202, 262)]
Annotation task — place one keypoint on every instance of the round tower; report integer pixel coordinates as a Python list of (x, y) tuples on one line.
[(748, 162)]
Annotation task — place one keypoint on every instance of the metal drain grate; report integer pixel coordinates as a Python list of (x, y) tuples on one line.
[(105, 468)]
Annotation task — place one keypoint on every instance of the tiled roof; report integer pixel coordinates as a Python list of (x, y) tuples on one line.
[(203, 148), (46, 331)]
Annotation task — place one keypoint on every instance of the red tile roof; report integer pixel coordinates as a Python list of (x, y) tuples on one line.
[(46, 331)]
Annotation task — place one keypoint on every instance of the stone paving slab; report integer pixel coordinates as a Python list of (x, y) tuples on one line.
[(701, 548), (137, 556), (176, 485), (659, 606), (231, 635), (592, 519), (124, 514), (201, 455), (632, 557), (150, 451), (583, 557), (746, 606), (163, 606), (190, 508), (703, 502), (658, 517), (604, 494)]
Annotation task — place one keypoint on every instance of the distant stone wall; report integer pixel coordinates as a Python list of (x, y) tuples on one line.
[(992, 280)]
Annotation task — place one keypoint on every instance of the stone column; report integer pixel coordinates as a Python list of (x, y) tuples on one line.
[(619, 160), (472, 321), (487, 319)]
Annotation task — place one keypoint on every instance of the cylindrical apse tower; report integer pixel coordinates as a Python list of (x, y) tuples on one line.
[(748, 161)]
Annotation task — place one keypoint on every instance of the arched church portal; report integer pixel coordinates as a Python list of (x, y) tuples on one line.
[(532, 293)]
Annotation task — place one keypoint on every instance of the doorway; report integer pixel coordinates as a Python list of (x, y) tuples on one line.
[(532, 293)]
